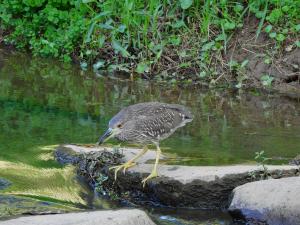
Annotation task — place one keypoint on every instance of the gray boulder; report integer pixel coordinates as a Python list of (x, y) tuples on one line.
[(106, 217), (206, 187), (274, 201)]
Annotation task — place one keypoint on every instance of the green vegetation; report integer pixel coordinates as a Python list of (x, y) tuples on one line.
[(261, 159), (158, 36), (263, 172)]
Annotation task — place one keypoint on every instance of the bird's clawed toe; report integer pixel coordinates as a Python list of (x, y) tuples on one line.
[(152, 175), (125, 166), (128, 165)]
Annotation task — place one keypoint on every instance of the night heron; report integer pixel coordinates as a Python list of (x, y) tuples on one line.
[(145, 123)]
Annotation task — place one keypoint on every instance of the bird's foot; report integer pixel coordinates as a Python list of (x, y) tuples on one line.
[(152, 175), (125, 166)]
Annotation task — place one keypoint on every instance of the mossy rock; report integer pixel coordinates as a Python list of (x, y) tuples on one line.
[(16, 205)]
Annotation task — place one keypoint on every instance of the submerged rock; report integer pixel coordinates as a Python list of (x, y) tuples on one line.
[(107, 217), (4, 183), (207, 187), (275, 202), (295, 161), (15, 205)]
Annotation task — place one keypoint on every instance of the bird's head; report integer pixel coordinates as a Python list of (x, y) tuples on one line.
[(115, 126)]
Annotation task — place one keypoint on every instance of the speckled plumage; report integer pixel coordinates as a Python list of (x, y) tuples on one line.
[(145, 123), (150, 122)]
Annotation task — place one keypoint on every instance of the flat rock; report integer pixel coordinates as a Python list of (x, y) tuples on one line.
[(107, 217), (206, 187), (274, 201)]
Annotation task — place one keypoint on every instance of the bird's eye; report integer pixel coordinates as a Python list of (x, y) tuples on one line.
[(119, 125)]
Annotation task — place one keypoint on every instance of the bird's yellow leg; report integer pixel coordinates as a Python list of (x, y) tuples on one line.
[(154, 170), (129, 163)]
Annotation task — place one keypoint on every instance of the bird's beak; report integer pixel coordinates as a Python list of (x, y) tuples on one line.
[(107, 135)]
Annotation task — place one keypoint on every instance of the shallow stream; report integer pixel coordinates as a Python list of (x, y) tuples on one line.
[(44, 103)]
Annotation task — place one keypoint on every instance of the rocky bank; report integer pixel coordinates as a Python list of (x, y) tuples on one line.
[(206, 187)]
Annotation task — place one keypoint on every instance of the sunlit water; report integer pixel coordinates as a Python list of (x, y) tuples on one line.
[(44, 103)]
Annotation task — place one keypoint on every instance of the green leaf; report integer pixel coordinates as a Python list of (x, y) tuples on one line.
[(207, 46), (260, 14), (221, 37), (229, 25), (297, 27), (118, 48), (178, 24), (285, 8), (202, 74), (267, 61), (274, 16), (233, 63), (285, 31), (175, 40), (101, 41), (280, 37), (83, 65), (142, 67), (100, 15), (238, 8), (98, 65), (272, 35), (89, 33), (266, 80), (105, 26), (297, 43), (244, 63), (87, 1), (121, 28), (238, 85), (268, 28), (185, 4)]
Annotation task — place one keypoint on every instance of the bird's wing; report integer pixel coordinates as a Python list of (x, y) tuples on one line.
[(161, 121)]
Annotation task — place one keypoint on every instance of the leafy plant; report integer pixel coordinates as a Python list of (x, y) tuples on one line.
[(145, 37), (261, 159), (267, 80), (99, 183)]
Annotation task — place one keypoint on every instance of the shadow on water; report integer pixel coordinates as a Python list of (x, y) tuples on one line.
[(44, 103)]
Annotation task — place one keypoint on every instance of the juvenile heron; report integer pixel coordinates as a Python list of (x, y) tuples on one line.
[(145, 123)]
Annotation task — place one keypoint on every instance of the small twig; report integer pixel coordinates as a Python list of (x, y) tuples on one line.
[(247, 50), (168, 58), (219, 77)]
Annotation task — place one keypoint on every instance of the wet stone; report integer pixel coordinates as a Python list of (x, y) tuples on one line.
[(205, 187), (273, 201), (15, 205), (107, 217), (66, 156)]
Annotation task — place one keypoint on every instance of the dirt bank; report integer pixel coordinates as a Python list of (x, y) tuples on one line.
[(264, 58)]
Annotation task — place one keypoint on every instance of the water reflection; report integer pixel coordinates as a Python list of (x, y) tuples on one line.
[(228, 127)]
